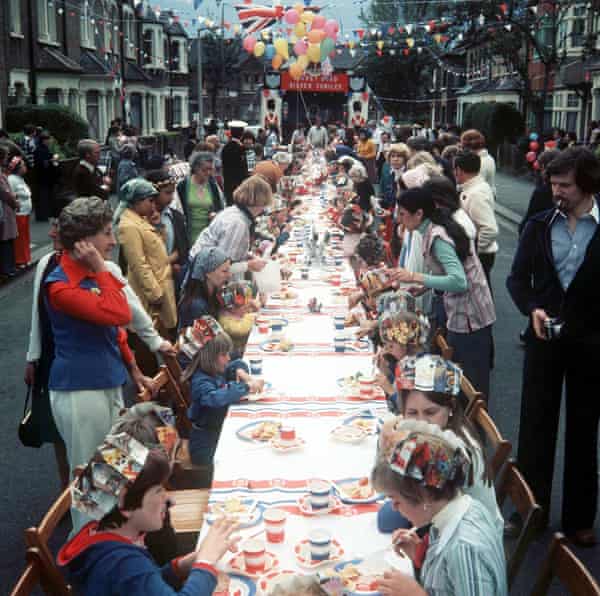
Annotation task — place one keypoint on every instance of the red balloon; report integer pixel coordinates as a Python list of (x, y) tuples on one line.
[(534, 145), (536, 165), (266, 92), (531, 156)]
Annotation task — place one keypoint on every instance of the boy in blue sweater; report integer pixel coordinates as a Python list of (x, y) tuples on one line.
[(215, 381)]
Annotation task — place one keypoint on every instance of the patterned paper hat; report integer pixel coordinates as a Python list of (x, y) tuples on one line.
[(404, 328), (116, 463), (236, 294), (428, 372), (396, 301), (194, 338), (428, 454)]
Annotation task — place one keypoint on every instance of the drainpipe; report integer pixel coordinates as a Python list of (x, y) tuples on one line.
[(32, 41)]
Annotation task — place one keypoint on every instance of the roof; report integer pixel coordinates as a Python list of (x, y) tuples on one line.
[(508, 84), (132, 72), (92, 64), (51, 59)]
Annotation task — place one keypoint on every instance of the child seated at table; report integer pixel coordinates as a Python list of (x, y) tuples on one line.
[(215, 383), (122, 489), (239, 303)]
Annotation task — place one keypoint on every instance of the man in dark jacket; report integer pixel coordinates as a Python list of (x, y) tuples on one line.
[(87, 178), (554, 281), (235, 169)]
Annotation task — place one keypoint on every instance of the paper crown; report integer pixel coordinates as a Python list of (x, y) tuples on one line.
[(194, 338), (116, 463), (404, 328), (396, 301), (428, 372), (428, 454), (236, 294), (375, 281)]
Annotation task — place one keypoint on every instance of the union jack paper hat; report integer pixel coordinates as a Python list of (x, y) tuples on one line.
[(428, 372), (428, 454), (194, 338), (237, 293)]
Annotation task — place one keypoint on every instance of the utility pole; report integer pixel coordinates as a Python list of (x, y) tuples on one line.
[(200, 100)]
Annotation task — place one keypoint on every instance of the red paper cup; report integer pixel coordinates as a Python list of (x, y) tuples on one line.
[(366, 387), (275, 525), (254, 556), (287, 433), (263, 325)]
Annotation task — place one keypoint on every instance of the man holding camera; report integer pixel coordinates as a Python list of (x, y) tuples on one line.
[(554, 281)]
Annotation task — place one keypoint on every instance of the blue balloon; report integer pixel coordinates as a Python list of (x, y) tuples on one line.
[(533, 136), (306, 2), (269, 52)]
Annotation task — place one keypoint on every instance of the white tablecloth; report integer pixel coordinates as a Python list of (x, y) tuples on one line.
[(306, 395)]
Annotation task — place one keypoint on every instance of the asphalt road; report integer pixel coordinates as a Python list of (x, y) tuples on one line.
[(29, 479)]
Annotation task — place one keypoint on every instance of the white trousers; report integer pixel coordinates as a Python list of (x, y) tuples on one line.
[(83, 419)]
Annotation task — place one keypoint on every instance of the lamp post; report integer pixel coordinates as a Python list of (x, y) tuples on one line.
[(200, 99)]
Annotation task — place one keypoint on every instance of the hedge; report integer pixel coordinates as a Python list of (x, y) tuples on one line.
[(65, 125), (498, 121)]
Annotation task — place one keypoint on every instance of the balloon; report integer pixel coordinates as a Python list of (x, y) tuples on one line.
[(303, 61), (327, 46), (300, 47), (281, 47), (533, 136), (307, 16), (299, 8), (316, 35), (318, 22), (531, 156), (300, 29), (269, 51), (314, 52), (534, 145), (331, 28), (259, 49), (249, 43), (276, 62), (536, 165), (292, 16), (380, 45), (296, 71), (365, 96), (266, 93)]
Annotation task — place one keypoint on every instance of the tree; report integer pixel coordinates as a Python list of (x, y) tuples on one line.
[(221, 62)]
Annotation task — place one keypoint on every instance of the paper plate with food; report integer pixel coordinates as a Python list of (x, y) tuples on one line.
[(266, 392), (259, 431), (284, 295), (358, 345), (351, 383), (276, 345), (366, 421), (234, 585), (247, 512), (281, 446), (358, 578), (238, 565), (356, 490), (349, 434), (307, 509), (267, 583), (303, 558)]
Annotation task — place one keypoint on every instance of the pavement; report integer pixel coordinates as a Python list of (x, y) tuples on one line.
[(30, 482)]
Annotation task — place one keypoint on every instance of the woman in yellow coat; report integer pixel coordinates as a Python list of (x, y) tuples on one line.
[(143, 248), (367, 151)]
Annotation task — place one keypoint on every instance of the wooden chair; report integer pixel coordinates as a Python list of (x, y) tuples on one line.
[(30, 578), (187, 516), (562, 563), (439, 341), (38, 537), (513, 486), (168, 392), (176, 372), (496, 445)]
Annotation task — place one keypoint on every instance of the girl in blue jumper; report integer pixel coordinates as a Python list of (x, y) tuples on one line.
[(215, 382)]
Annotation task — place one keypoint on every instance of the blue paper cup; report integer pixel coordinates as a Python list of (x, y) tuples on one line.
[(338, 322), (339, 344), (256, 366), (320, 544), (320, 493)]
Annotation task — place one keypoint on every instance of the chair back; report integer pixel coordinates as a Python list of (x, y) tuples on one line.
[(562, 563), (439, 342), (169, 393), (30, 578), (513, 487), (38, 538), (176, 372), (496, 446)]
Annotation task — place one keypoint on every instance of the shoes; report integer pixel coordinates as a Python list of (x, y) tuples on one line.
[(585, 538)]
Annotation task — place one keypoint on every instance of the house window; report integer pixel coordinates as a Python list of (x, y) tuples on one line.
[(174, 56), (128, 33), (114, 30), (52, 96), (148, 47), (92, 100), (46, 21), (73, 104), (16, 26), (572, 100), (571, 125), (177, 110)]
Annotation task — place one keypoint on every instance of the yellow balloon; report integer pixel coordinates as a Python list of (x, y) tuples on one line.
[(296, 71), (307, 16), (314, 52), (299, 8), (259, 49), (380, 45), (300, 29), (281, 47), (276, 62), (303, 61)]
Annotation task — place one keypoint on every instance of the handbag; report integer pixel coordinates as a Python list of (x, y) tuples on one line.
[(29, 433)]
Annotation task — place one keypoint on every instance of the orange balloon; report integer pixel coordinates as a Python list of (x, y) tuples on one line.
[(277, 62), (296, 71), (316, 35)]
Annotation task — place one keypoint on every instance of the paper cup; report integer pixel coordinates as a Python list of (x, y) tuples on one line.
[(366, 388), (320, 544), (254, 555), (339, 344), (338, 322), (287, 434), (304, 272), (336, 279), (275, 524), (320, 493), (263, 325), (256, 366)]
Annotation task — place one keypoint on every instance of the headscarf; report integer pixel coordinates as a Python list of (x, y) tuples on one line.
[(207, 261), (132, 192)]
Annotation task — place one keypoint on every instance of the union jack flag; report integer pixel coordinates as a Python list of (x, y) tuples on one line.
[(256, 17)]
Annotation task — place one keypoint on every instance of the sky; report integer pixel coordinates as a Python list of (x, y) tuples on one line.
[(344, 11)]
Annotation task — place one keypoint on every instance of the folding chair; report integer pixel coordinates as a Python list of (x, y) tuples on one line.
[(562, 563), (496, 445), (38, 537), (513, 486)]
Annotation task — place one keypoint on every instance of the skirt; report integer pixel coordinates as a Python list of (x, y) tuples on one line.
[(22, 242)]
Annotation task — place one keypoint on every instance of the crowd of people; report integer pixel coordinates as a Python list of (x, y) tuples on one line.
[(419, 229)]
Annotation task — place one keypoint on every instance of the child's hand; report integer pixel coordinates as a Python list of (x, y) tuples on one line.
[(256, 385), (218, 541)]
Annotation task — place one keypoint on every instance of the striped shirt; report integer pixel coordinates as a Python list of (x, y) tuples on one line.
[(465, 555)]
